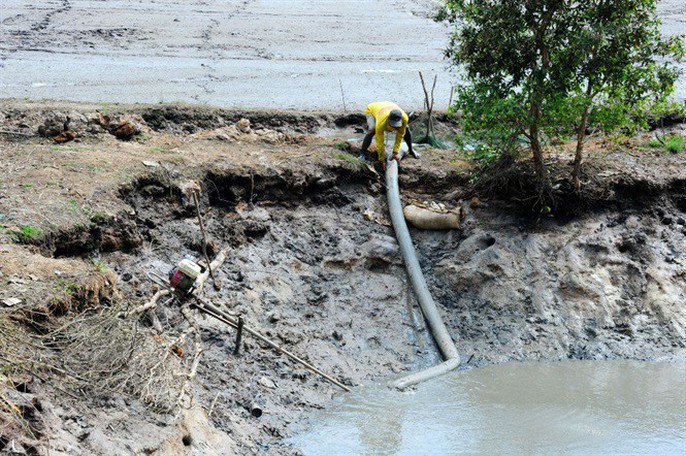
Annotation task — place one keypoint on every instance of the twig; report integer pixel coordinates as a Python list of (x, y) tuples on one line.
[(147, 306), (239, 336), (202, 278), (225, 318), (310, 151), (185, 311), (156, 323), (152, 377), (214, 401), (290, 158), (429, 104), (426, 94), (340, 84)]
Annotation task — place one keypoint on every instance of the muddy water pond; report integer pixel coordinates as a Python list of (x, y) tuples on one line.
[(575, 407)]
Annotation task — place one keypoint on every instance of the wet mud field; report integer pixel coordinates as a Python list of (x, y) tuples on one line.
[(312, 264)]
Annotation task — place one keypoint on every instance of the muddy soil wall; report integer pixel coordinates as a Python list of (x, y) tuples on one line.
[(316, 274)]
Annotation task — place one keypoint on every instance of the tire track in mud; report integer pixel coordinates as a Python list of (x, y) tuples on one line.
[(45, 23), (26, 37), (209, 76)]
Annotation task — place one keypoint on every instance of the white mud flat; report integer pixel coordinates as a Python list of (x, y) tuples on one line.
[(295, 54), (303, 54)]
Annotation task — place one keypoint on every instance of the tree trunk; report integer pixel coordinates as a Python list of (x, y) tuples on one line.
[(580, 135), (545, 189)]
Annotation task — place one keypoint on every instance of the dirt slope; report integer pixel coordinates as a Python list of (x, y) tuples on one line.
[(312, 264)]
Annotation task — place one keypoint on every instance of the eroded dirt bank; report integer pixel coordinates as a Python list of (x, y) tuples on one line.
[(312, 264)]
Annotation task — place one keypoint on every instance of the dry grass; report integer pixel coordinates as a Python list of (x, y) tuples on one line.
[(19, 356), (110, 354), (87, 350)]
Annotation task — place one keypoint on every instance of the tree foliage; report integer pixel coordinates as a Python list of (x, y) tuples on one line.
[(538, 69)]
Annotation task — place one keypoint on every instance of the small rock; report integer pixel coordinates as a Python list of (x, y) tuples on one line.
[(229, 133), (258, 214), (381, 249), (152, 164), (54, 125), (270, 136), (264, 381), (188, 189), (126, 130), (9, 302), (244, 125)]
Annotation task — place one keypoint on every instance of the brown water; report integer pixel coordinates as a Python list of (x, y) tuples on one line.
[(572, 408)]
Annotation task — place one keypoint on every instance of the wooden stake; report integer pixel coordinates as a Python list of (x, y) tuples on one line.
[(239, 336)]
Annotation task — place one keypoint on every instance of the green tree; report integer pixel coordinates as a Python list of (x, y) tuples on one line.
[(536, 68)]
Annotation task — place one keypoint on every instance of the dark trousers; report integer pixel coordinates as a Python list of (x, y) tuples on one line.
[(368, 140)]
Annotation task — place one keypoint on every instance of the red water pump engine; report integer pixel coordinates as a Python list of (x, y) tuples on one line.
[(183, 276)]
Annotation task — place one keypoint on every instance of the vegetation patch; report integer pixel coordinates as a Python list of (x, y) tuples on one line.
[(673, 144), (537, 71), (26, 234)]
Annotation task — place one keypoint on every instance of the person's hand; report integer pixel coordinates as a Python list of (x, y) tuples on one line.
[(396, 157), (383, 165)]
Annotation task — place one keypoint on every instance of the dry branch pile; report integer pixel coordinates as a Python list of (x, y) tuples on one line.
[(89, 355), (109, 354)]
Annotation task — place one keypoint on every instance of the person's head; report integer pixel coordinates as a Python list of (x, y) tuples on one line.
[(395, 118)]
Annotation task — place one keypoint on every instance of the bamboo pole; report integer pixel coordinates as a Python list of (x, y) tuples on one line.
[(224, 318), (204, 238)]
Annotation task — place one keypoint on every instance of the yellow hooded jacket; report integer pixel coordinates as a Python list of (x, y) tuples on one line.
[(381, 110)]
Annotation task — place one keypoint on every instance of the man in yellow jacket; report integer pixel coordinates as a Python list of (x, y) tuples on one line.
[(384, 116)]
